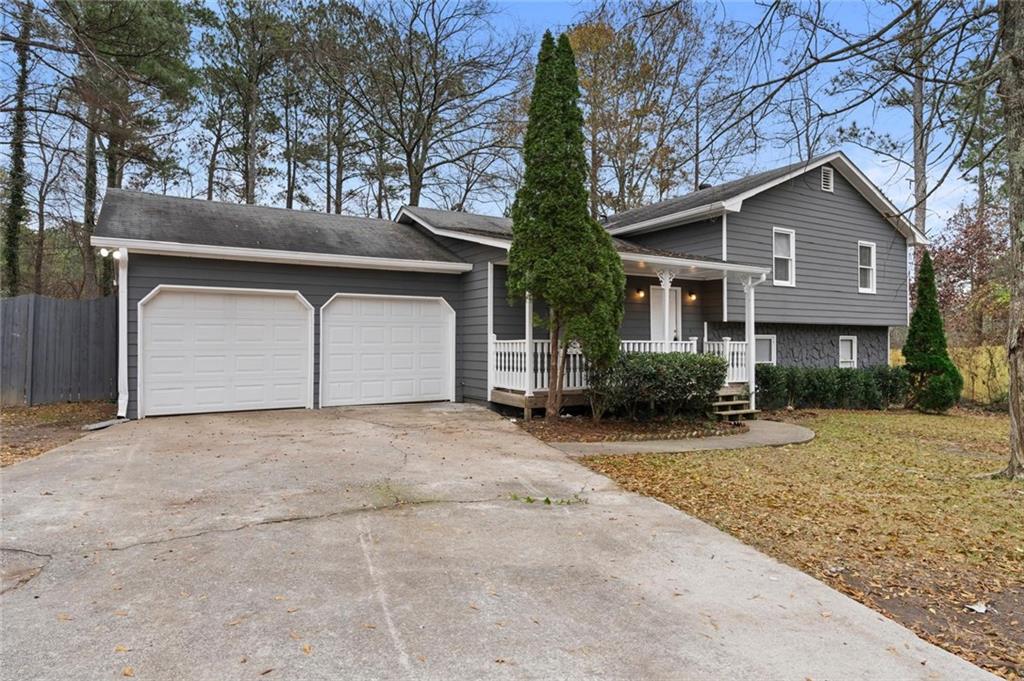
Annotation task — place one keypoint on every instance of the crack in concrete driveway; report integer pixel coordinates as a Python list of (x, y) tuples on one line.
[(394, 542)]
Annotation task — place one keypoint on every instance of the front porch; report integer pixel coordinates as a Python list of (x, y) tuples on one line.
[(669, 301)]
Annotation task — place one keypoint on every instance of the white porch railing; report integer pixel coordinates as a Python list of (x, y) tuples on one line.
[(733, 351), (509, 361)]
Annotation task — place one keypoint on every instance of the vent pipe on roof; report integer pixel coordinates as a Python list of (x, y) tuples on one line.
[(704, 185)]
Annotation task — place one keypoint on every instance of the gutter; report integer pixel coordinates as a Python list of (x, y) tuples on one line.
[(173, 248)]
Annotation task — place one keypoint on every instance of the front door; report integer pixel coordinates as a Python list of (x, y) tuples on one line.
[(675, 311)]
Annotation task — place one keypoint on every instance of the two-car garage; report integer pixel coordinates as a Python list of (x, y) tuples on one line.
[(214, 349)]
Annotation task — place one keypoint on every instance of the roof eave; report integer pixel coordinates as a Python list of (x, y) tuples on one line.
[(189, 250), (706, 211)]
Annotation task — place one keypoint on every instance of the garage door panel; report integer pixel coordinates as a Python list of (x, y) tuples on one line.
[(232, 351), (383, 350)]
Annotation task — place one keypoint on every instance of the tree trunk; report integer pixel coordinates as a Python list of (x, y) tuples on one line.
[(90, 287), (920, 136), (211, 167), (37, 282), (1011, 90), (553, 406), (415, 181)]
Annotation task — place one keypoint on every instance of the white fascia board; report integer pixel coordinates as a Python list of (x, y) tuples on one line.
[(173, 248), (454, 234), (706, 211), (698, 264)]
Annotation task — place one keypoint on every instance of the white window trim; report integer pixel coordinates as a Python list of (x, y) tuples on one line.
[(841, 360), (765, 336), (792, 257), (826, 171), (874, 267)]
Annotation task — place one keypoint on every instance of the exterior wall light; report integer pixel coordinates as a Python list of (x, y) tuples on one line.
[(691, 295), (640, 293)]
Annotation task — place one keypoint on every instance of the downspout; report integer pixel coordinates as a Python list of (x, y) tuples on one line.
[(725, 258), (122, 333)]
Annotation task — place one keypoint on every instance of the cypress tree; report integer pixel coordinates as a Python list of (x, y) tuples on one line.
[(559, 253), (935, 381), (15, 211)]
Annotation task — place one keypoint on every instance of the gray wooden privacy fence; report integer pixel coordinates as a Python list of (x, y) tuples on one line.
[(57, 350)]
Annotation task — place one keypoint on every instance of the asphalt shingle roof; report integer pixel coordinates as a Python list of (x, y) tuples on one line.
[(501, 228), (154, 217), (703, 197)]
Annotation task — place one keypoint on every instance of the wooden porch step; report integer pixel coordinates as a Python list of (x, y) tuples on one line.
[(730, 404), (737, 414)]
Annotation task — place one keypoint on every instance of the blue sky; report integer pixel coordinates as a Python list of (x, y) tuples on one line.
[(894, 180)]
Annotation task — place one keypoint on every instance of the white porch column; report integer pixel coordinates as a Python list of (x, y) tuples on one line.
[(529, 345), (748, 324), (666, 277)]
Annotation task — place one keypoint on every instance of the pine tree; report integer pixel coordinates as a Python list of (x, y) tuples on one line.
[(935, 381), (559, 253), (15, 212)]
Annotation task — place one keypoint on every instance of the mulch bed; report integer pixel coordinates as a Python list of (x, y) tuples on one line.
[(26, 432), (894, 509), (585, 429)]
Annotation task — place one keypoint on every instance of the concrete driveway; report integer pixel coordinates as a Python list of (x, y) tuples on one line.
[(395, 543)]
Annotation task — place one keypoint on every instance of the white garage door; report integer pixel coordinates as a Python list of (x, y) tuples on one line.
[(380, 349), (205, 350)]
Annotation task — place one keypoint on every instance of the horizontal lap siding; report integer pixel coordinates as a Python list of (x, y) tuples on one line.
[(702, 238), (316, 284), (471, 324), (828, 227)]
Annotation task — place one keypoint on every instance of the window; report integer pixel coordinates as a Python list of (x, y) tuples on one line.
[(764, 349), (865, 267), (826, 179), (848, 352), (784, 260)]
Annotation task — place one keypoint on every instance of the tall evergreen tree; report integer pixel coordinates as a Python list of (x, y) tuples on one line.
[(15, 212), (559, 254), (935, 381)]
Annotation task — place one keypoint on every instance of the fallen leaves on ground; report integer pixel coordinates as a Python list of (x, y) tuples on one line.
[(891, 508), (585, 429), (30, 431)]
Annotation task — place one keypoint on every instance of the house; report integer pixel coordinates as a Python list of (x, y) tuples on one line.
[(227, 307)]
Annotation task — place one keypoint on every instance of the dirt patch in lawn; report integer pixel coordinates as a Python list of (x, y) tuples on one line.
[(889, 508), (585, 429), (26, 432)]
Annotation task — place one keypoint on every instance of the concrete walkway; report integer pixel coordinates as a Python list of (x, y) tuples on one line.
[(761, 434)]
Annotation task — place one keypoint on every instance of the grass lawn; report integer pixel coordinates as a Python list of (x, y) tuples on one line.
[(26, 432), (888, 508)]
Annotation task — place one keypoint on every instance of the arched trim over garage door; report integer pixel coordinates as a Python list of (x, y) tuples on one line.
[(379, 349), (291, 342)]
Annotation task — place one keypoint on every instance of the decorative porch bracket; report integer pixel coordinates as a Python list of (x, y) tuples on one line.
[(666, 277)]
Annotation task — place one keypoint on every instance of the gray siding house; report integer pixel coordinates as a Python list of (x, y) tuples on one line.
[(225, 307)]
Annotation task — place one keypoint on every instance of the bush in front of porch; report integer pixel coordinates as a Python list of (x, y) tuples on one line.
[(656, 385), (831, 387)]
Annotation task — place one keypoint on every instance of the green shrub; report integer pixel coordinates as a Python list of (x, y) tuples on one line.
[(893, 384), (925, 350), (772, 386), (654, 385), (938, 394), (830, 387)]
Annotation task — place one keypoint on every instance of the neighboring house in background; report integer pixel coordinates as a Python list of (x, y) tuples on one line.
[(228, 307)]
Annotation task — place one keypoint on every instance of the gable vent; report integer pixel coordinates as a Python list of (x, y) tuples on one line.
[(826, 179)]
